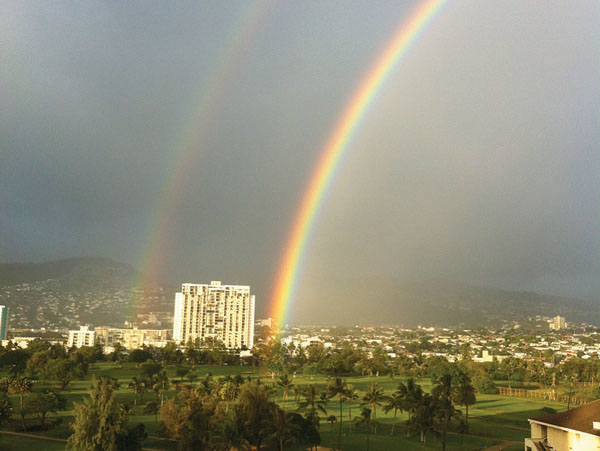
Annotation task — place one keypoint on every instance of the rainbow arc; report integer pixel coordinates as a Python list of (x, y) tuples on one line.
[(334, 149)]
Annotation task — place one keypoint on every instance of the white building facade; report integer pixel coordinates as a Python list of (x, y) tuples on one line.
[(131, 338), (214, 312), (82, 337), (558, 323)]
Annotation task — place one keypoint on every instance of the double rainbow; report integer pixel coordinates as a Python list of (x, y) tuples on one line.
[(334, 150)]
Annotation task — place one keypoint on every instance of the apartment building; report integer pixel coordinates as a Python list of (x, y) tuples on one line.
[(131, 338), (215, 312), (3, 322), (558, 323), (82, 337)]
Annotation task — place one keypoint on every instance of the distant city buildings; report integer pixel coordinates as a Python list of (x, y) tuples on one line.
[(3, 322), (131, 339), (214, 312), (82, 337), (558, 323), (155, 319), (265, 322)]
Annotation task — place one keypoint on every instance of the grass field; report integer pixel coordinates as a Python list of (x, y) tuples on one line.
[(493, 419)]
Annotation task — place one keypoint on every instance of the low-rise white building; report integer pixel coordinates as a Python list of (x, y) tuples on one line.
[(131, 338), (574, 430)]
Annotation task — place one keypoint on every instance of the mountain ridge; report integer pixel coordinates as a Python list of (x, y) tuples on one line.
[(102, 291)]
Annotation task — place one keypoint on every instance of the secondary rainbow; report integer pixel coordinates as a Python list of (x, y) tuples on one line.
[(335, 148), (190, 140)]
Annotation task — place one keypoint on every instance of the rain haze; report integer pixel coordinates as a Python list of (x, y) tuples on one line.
[(180, 138)]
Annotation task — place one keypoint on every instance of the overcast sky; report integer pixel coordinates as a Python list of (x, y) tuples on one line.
[(479, 161)]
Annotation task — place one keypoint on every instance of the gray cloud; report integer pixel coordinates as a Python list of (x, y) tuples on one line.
[(478, 160)]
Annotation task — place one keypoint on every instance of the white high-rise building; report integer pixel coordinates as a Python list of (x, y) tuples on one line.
[(3, 322), (558, 323), (82, 337), (215, 311)]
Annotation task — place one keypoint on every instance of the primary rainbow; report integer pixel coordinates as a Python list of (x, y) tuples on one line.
[(334, 149)]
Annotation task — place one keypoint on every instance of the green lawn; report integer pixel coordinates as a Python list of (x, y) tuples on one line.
[(493, 419)]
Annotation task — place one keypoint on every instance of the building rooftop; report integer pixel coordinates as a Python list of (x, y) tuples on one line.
[(579, 419)]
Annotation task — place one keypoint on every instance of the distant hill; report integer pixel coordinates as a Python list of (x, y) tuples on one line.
[(82, 269), (70, 292), (434, 302), (96, 291)]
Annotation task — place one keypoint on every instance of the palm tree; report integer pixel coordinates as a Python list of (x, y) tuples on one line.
[(137, 385), (162, 380), (152, 407), (313, 403), (413, 396), (464, 395), (229, 392), (373, 397), (281, 428), (396, 403), (191, 376), (366, 419), (232, 436), (332, 419), (339, 388), (286, 384), (423, 417), (443, 392), (21, 385), (351, 395)]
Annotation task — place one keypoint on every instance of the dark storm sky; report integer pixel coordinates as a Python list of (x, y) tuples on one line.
[(479, 161)]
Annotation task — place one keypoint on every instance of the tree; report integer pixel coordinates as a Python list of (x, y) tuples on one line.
[(152, 408), (232, 435), (15, 361), (181, 371), (313, 403), (133, 439), (137, 385), (423, 416), (191, 376), (150, 368), (101, 423), (484, 384), (443, 392), (395, 402), (351, 395), (286, 384), (339, 389), (366, 419), (332, 419), (308, 431), (170, 353), (41, 404), (20, 386), (373, 397), (228, 393), (464, 395), (254, 409), (281, 428), (161, 380), (413, 396), (138, 356), (63, 370), (6, 408), (118, 354)]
